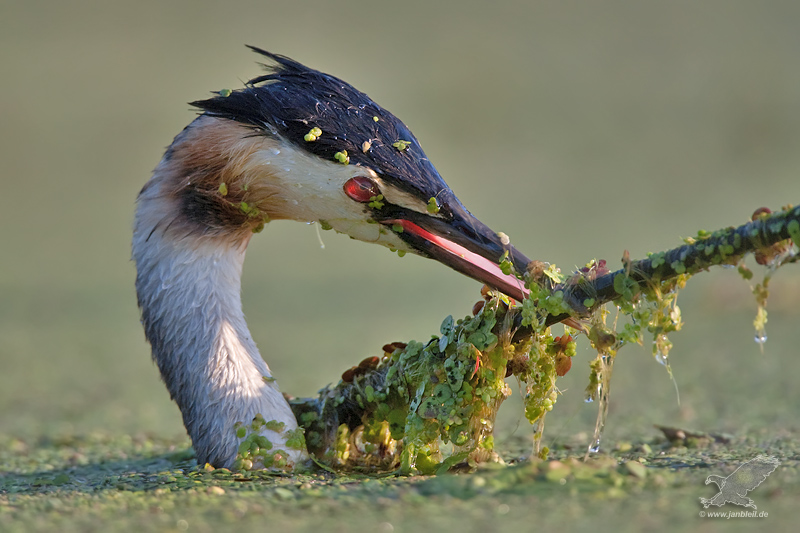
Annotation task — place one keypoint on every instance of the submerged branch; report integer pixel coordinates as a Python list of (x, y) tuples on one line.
[(428, 408), (723, 247)]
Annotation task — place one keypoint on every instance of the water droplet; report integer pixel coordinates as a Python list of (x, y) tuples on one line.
[(295, 202), (761, 337), (661, 358), (319, 236), (589, 398), (602, 407), (165, 286), (275, 151)]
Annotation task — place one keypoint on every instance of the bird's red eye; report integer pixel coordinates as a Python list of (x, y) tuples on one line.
[(361, 189)]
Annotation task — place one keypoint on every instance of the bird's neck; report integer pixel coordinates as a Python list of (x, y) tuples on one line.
[(189, 293)]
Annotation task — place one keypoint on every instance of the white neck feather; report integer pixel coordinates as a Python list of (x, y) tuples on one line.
[(189, 292)]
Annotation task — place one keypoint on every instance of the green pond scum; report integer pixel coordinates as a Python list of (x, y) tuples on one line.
[(256, 452), (426, 408), (123, 483)]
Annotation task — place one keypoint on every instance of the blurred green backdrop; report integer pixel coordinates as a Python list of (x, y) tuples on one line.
[(578, 128)]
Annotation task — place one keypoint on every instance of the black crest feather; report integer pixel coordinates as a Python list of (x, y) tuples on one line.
[(291, 99)]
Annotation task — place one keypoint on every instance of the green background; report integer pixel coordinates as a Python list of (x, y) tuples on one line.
[(580, 129)]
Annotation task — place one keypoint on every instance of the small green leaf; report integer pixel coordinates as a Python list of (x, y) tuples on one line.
[(794, 231), (375, 202), (401, 145), (342, 157), (554, 274)]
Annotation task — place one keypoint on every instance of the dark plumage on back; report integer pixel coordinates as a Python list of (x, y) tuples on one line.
[(291, 99)]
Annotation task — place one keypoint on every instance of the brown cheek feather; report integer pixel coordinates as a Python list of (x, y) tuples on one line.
[(212, 152)]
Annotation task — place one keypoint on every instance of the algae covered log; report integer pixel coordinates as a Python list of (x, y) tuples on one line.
[(426, 408), (726, 246), (422, 407)]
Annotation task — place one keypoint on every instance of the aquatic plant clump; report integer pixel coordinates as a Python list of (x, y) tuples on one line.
[(426, 408), (419, 408), (257, 452)]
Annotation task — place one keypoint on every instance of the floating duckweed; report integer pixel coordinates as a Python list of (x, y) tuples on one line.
[(433, 205), (397, 228), (252, 211), (794, 231), (505, 264), (678, 267), (256, 451), (342, 157), (274, 425), (588, 302), (376, 202), (323, 224), (376, 119), (625, 287), (656, 260), (504, 239), (295, 439), (401, 253), (312, 135), (745, 272), (225, 93), (401, 145), (223, 189)]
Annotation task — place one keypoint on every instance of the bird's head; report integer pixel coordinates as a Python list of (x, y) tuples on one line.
[(299, 144)]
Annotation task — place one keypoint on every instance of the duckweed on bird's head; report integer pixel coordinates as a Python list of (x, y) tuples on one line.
[(312, 135), (342, 157), (401, 145)]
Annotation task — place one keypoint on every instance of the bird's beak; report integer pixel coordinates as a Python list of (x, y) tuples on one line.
[(465, 244)]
